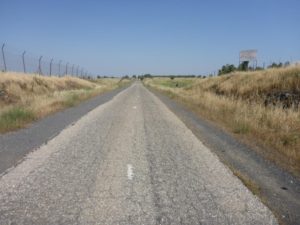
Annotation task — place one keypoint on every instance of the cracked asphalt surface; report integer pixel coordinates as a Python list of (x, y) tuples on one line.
[(15, 145), (82, 175)]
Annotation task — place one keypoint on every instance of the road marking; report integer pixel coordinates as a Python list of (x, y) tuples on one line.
[(129, 171)]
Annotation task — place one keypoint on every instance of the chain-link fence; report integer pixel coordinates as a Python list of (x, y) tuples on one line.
[(12, 59)]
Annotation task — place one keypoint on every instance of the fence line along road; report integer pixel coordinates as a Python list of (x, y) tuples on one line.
[(15, 60)]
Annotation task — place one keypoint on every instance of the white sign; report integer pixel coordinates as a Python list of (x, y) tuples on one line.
[(248, 55)]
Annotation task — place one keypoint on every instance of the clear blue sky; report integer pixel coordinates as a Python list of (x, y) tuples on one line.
[(118, 37)]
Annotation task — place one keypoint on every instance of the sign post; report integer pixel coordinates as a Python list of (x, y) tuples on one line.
[(247, 56)]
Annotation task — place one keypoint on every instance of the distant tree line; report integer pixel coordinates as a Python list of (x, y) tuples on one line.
[(225, 69), (279, 65), (244, 66), (99, 77), (141, 77)]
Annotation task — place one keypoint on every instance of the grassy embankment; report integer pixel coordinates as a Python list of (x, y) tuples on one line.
[(236, 103), (25, 98)]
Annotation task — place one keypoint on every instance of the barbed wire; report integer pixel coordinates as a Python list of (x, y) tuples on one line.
[(15, 60)]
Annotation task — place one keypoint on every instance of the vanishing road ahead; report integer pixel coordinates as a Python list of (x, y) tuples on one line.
[(129, 161)]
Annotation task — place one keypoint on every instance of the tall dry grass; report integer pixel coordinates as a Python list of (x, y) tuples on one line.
[(234, 101), (24, 98), (253, 85)]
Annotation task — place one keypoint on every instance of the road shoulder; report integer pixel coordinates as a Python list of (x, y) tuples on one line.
[(278, 189)]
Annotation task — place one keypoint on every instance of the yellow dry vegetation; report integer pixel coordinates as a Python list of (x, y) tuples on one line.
[(252, 85), (236, 102), (27, 97)]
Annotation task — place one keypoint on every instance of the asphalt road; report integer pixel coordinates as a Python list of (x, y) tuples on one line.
[(15, 145), (129, 161), (279, 189)]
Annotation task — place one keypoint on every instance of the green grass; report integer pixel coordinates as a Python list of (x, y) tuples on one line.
[(241, 128), (291, 139), (72, 100), (181, 83), (15, 118)]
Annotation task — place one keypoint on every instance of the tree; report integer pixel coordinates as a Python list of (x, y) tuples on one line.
[(244, 66), (259, 68), (228, 68), (275, 65), (287, 63)]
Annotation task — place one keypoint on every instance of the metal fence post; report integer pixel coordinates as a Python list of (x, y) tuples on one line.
[(59, 67), (3, 56), (40, 66), (72, 69), (50, 72), (23, 59), (67, 69)]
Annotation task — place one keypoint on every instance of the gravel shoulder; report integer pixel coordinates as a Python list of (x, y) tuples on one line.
[(276, 188)]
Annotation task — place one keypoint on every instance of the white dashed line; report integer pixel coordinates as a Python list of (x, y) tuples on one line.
[(129, 171)]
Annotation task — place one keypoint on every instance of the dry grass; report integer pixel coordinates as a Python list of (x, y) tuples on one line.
[(235, 102), (254, 85), (24, 98)]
